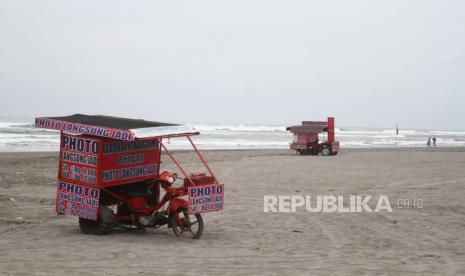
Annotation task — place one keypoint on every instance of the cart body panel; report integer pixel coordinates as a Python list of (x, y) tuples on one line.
[(306, 140), (120, 158)]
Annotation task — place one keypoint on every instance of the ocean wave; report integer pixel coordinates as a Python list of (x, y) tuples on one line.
[(232, 142), (239, 128), (449, 133), (23, 136), (23, 128)]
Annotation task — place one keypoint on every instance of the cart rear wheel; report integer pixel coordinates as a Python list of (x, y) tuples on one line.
[(325, 151), (185, 225), (102, 226)]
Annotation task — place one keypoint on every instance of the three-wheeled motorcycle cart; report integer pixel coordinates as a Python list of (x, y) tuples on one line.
[(306, 141), (109, 176)]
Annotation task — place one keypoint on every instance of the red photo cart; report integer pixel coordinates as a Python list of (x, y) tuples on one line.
[(109, 176), (306, 141)]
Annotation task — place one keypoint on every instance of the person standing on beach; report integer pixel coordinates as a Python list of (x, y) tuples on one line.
[(428, 144), (434, 141)]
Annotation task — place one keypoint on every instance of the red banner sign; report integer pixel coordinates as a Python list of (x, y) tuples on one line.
[(125, 162), (205, 198), (78, 128), (77, 200), (79, 159)]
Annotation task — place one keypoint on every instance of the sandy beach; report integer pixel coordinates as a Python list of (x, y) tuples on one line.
[(242, 239)]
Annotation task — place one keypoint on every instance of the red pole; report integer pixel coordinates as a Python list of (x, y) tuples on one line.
[(331, 130), (176, 162), (203, 159)]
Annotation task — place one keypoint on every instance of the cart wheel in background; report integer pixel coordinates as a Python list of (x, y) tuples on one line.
[(102, 226), (185, 225), (325, 151)]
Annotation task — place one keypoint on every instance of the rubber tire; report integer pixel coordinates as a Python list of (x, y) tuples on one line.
[(104, 224), (172, 221), (325, 151)]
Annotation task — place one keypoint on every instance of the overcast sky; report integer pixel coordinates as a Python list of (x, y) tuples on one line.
[(368, 63)]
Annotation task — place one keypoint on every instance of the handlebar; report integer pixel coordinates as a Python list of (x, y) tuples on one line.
[(180, 191)]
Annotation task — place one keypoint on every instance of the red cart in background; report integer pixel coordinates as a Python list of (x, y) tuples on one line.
[(306, 141), (109, 176)]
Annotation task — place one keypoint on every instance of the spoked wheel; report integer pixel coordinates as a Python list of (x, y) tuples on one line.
[(325, 151), (185, 225)]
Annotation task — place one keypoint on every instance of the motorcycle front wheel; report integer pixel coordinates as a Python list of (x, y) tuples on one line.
[(185, 225)]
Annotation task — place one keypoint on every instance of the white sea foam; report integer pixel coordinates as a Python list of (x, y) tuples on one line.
[(23, 136), (239, 128)]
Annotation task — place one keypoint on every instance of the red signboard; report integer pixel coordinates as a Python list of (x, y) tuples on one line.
[(79, 159), (101, 162), (77, 200), (112, 133), (126, 162), (205, 198)]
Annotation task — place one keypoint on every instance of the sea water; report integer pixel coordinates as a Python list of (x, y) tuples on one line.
[(21, 135)]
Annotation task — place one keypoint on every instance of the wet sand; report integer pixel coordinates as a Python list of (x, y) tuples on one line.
[(242, 239)]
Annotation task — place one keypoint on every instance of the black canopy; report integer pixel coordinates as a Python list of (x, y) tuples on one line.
[(110, 121), (308, 128)]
